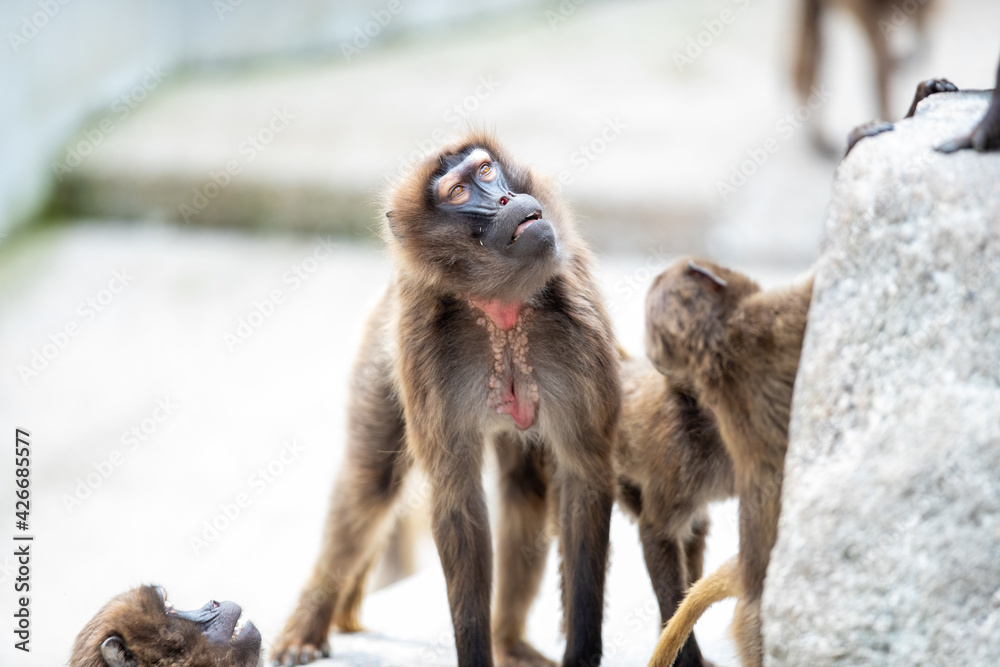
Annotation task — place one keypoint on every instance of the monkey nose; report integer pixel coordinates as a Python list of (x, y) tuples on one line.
[(506, 198)]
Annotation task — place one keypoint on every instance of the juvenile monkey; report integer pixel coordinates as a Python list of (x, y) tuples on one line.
[(739, 347), (140, 628), (491, 332), (671, 463)]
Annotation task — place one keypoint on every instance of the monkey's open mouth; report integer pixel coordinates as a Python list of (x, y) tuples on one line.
[(240, 622), (527, 222)]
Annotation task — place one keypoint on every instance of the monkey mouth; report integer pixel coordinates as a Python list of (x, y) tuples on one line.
[(244, 632), (527, 222), (238, 628)]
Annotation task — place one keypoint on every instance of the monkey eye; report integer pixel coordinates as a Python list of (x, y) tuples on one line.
[(487, 172), (456, 191)]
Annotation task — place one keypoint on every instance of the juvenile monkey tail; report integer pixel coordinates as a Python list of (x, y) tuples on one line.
[(721, 584)]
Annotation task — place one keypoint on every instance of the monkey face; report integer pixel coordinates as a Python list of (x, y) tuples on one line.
[(687, 310), (141, 628), (474, 191), (475, 226)]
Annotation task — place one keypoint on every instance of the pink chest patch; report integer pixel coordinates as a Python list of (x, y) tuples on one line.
[(512, 389), (503, 315)]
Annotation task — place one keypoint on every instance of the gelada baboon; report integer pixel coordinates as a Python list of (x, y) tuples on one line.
[(880, 20), (671, 463), (492, 331), (740, 347), (140, 628)]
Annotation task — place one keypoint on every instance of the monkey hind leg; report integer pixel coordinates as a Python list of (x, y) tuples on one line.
[(869, 20), (359, 518), (522, 550), (746, 632), (667, 562), (807, 66), (719, 585), (694, 548), (521, 654), (347, 613), (807, 61), (397, 561)]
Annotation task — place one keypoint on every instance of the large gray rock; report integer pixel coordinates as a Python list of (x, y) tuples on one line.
[(889, 542)]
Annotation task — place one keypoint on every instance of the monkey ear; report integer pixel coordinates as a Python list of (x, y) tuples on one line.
[(390, 218), (717, 284), (116, 655)]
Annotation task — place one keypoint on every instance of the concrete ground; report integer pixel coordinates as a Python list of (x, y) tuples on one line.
[(146, 426)]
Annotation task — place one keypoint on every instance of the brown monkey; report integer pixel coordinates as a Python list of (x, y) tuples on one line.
[(140, 628), (492, 330), (671, 463), (985, 136), (876, 19), (740, 348)]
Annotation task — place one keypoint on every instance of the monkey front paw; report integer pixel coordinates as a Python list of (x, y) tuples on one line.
[(869, 129), (927, 88), (300, 643), (931, 86), (299, 654), (522, 654)]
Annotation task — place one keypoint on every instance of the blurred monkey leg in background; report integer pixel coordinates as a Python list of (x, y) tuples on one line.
[(880, 21)]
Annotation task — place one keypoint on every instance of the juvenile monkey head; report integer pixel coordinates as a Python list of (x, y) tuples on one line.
[(688, 309), (140, 628), (470, 221)]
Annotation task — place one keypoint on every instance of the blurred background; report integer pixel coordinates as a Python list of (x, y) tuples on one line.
[(187, 248)]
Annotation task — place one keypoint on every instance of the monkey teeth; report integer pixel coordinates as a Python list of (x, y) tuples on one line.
[(528, 222), (521, 227), (239, 627)]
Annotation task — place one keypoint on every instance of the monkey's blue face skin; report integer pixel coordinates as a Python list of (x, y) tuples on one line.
[(474, 190), (220, 622)]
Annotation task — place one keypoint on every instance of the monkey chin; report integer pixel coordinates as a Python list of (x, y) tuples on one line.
[(535, 251)]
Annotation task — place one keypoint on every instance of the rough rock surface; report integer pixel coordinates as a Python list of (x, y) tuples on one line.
[(889, 541)]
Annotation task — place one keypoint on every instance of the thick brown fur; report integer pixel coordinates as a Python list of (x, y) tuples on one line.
[(873, 16), (740, 348), (419, 394), (671, 463), (153, 637)]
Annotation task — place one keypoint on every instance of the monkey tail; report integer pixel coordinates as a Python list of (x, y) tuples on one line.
[(721, 584)]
